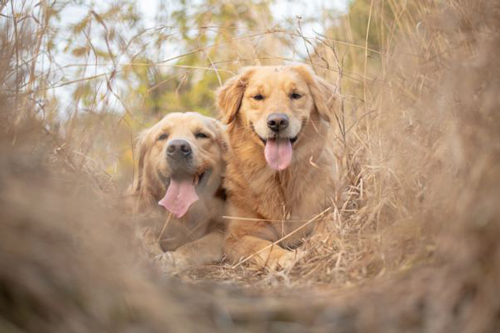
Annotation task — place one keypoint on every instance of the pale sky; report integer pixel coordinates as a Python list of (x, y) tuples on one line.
[(282, 9)]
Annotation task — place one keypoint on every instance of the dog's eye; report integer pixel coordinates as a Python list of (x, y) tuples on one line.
[(258, 97), (162, 137), (295, 96), (201, 135)]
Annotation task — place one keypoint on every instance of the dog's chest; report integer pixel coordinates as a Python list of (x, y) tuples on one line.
[(298, 198)]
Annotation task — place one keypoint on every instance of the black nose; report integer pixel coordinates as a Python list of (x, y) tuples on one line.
[(277, 121), (178, 149)]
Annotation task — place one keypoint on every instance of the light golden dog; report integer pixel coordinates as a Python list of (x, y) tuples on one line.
[(178, 187), (281, 171)]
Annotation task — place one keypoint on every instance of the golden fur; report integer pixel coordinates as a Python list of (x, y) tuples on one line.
[(197, 237), (254, 190)]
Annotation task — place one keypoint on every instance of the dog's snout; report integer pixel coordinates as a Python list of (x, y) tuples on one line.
[(278, 121), (178, 149)]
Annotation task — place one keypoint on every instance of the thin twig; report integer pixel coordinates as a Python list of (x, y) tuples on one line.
[(164, 227)]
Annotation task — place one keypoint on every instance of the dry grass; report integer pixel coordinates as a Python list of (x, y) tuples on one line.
[(412, 246)]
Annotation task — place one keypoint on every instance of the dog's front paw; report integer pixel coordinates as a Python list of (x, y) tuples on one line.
[(170, 262), (166, 261), (285, 261)]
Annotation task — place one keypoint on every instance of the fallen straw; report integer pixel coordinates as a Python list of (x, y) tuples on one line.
[(164, 227)]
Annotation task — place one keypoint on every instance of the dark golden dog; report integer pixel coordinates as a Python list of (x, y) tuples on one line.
[(281, 171), (178, 186)]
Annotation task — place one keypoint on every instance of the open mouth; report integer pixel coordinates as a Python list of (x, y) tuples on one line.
[(278, 150), (274, 137), (264, 141), (198, 178), (181, 192)]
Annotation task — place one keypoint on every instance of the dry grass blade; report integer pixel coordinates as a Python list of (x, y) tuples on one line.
[(263, 220), (164, 227)]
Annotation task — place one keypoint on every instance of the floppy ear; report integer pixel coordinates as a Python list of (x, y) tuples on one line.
[(230, 95), (141, 149), (323, 93), (221, 136), (137, 193)]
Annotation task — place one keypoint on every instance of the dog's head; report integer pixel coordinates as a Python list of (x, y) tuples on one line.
[(276, 103), (179, 159)]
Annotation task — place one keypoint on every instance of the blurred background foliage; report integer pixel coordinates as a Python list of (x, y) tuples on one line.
[(108, 61)]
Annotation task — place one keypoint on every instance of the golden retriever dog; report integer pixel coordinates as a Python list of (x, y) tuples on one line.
[(281, 169), (177, 185)]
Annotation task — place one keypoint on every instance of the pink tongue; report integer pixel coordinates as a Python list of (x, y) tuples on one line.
[(179, 197), (278, 153)]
